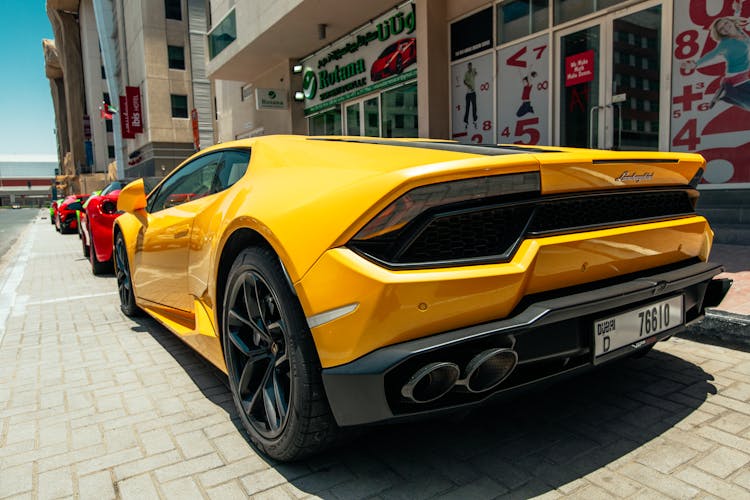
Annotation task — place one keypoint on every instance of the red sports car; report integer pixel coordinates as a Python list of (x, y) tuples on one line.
[(65, 215), (394, 59), (97, 220)]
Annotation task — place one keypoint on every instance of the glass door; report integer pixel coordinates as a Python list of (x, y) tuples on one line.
[(610, 81), (363, 117)]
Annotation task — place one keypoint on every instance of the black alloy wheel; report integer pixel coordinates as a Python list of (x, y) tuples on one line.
[(273, 368), (124, 281)]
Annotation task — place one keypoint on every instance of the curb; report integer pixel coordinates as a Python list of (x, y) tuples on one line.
[(727, 327)]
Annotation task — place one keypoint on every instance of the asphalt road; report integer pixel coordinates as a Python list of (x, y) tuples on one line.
[(13, 222)]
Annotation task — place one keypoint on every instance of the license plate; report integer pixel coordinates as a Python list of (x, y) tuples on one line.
[(636, 325)]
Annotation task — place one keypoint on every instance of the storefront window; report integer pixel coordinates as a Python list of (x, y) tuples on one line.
[(565, 10), (352, 119), (372, 115), (399, 112), (518, 18), (579, 95), (326, 123)]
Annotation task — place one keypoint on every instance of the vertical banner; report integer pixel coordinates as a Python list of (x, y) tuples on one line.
[(133, 95), (710, 109), (471, 97), (127, 131), (89, 153), (523, 92), (196, 134)]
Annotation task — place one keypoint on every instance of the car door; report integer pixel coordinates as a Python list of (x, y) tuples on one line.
[(207, 225), (161, 258)]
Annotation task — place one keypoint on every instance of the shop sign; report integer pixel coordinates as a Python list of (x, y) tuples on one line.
[(472, 101), (710, 108), (579, 68), (523, 92), (271, 99), (135, 110), (127, 131), (472, 34), (378, 56)]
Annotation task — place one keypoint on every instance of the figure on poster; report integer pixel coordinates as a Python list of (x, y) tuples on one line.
[(733, 45), (526, 107), (471, 95)]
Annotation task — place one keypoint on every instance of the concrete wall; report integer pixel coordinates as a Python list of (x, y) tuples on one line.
[(238, 118)]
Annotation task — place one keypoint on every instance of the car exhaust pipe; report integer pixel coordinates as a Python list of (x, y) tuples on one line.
[(431, 382), (716, 291), (489, 368)]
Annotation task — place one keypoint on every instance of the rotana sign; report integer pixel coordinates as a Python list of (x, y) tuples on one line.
[(340, 74), (377, 56)]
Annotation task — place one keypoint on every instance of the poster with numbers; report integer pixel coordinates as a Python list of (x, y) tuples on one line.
[(472, 101), (710, 109), (523, 92)]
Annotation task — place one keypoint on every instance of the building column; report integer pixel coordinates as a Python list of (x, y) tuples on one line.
[(68, 41), (432, 69)]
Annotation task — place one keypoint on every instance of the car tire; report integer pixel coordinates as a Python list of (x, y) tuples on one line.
[(124, 280), (272, 364), (86, 249), (97, 267)]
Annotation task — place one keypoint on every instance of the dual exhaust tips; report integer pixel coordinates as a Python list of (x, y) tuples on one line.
[(485, 371)]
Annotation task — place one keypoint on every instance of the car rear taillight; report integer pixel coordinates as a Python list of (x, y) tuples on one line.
[(109, 207), (457, 222)]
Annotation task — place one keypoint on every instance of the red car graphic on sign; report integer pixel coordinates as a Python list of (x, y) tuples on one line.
[(394, 59)]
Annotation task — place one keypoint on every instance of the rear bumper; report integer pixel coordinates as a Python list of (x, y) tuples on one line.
[(552, 337)]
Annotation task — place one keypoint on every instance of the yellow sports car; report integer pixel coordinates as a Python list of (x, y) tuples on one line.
[(341, 281)]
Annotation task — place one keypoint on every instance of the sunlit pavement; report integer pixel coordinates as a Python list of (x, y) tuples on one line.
[(96, 405)]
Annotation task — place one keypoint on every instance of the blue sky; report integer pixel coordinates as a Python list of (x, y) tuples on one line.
[(27, 117)]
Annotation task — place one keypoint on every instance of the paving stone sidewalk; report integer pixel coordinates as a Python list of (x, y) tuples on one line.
[(96, 405)]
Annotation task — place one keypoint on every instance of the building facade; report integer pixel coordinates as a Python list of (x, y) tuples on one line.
[(613, 74), (154, 57), (73, 66)]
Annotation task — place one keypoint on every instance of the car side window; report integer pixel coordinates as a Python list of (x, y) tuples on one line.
[(233, 167), (192, 181)]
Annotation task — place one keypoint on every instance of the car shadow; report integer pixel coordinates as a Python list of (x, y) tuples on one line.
[(530, 445)]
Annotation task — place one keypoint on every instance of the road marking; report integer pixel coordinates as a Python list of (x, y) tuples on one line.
[(66, 299), (14, 274)]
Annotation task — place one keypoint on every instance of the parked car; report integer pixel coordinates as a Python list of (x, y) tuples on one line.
[(53, 210), (81, 214), (394, 59), (15, 206), (348, 281), (65, 215), (97, 218)]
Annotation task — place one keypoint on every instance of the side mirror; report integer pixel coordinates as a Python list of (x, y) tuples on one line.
[(132, 197), (76, 205)]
